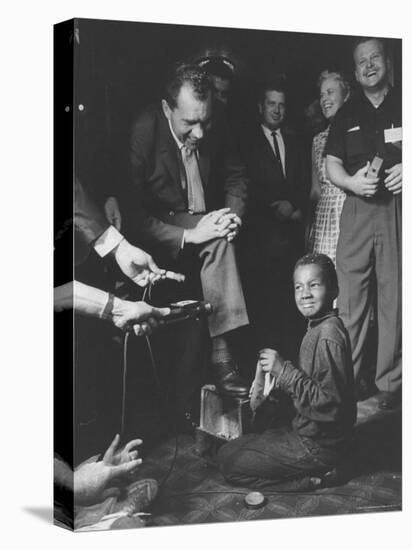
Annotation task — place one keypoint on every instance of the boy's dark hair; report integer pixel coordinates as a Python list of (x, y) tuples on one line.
[(326, 265), (191, 74)]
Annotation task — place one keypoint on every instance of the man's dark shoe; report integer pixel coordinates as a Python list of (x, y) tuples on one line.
[(388, 400), (228, 381)]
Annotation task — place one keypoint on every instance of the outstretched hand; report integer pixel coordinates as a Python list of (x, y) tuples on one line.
[(93, 482), (140, 266), (116, 456)]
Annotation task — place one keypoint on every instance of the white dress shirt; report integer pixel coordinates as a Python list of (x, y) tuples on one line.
[(107, 241), (180, 146)]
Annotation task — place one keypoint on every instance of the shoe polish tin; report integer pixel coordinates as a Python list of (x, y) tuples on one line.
[(255, 500)]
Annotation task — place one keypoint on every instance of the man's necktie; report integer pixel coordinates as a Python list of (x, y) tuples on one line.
[(195, 193), (277, 151)]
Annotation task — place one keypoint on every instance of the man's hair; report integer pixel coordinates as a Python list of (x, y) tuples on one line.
[(362, 39), (275, 84), (326, 265), (335, 75), (186, 74)]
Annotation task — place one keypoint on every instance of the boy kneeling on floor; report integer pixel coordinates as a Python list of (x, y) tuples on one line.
[(315, 449)]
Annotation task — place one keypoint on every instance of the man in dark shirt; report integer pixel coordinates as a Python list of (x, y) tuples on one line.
[(321, 389), (369, 247)]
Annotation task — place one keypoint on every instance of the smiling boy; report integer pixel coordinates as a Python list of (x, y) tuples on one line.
[(321, 387)]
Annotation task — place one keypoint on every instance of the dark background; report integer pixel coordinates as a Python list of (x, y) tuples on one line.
[(120, 68)]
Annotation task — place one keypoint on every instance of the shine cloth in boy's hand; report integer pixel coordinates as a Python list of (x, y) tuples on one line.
[(262, 385)]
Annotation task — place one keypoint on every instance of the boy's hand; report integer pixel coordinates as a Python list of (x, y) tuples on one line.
[(271, 361)]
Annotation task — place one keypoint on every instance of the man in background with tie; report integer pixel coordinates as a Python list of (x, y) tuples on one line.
[(187, 196), (273, 232)]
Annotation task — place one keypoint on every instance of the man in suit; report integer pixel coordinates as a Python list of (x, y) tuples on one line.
[(93, 231), (273, 233), (187, 196)]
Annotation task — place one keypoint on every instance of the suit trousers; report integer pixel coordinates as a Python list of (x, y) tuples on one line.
[(369, 256), (219, 277), (222, 287)]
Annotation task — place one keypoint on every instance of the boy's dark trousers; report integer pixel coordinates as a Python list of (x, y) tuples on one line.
[(274, 459)]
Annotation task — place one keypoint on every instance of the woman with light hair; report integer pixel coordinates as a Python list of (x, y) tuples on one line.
[(326, 199)]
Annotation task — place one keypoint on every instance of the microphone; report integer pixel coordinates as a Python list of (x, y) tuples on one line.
[(185, 310)]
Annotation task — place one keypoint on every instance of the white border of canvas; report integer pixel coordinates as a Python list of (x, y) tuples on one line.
[(26, 274)]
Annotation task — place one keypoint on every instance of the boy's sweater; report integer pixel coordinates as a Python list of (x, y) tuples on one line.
[(322, 387)]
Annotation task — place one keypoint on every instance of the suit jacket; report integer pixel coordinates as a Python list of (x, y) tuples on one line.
[(89, 222), (268, 184), (156, 201)]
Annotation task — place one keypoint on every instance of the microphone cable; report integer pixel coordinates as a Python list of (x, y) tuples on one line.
[(155, 371)]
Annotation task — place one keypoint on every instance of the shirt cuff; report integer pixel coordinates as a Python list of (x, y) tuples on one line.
[(107, 241)]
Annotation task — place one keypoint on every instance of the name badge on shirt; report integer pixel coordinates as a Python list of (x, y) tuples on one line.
[(393, 134)]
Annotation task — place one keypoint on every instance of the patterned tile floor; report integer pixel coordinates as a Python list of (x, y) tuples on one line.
[(195, 492)]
